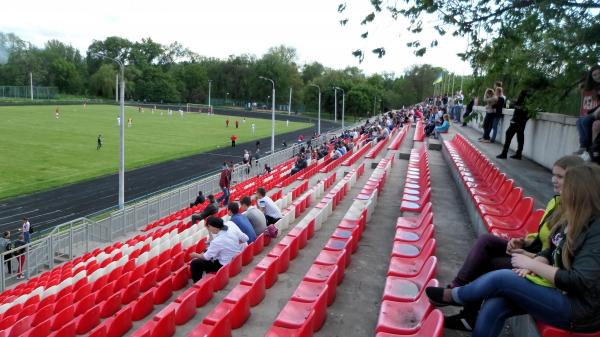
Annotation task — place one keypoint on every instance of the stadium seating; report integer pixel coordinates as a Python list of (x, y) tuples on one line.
[(419, 132)]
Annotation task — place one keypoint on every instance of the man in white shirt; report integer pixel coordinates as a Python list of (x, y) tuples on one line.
[(222, 249), (26, 230), (268, 206)]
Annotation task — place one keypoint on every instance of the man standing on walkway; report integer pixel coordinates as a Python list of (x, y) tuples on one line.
[(26, 230), (225, 182)]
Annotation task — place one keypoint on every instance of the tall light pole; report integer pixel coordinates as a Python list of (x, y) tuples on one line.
[(209, 106), (290, 103), (335, 104), (343, 103), (121, 132), (319, 113), (272, 113), (31, 84), (117, 89)]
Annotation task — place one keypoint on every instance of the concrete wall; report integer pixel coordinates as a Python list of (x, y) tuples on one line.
[(547, 138)]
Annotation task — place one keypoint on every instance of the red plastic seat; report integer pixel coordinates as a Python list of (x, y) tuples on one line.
[(105, 292), (282, 253), (27, 311), (216, 324), (165, 324), (269, 265), (248, 254), (338, 258), (515, 220), (85, 304), (432, 326), (110, 306), (204, 289), (7, 321), (235, 266), (256, 280), (67, 330), (43, 314), (258, 244), (186, 306), (416, 236), (177, 261), (550, 331), (163, 291), (221, 278), (505, 208), (122, 282), (40, 330), (324, 274), (296, 315), (416, 206), (121, 323), (315, 293), (82, 292), (148, 281), (301, 233), (411, 266), (403, 317), (163, 271), (180, 278), (88, 320), (424, 218), (498, 197), (338, 244), (63, 317), (143, 306), (239, 298), (49, 300), (531, 225), (99, 283), (277, 331), (131, 293)]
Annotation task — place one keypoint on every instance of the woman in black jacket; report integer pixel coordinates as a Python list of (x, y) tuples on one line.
[(517, 126), (571, 299)]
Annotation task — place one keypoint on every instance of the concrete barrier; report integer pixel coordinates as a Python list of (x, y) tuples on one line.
[(547, 138)]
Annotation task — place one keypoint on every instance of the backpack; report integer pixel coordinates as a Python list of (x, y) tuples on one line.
[(9, 246), (30, 229), (271, 231)]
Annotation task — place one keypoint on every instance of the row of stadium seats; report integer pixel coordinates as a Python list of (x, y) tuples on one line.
[(357, 154), (399, 138), (306, 311), (234, 310), (412, 264), (500, 205), (419, 132), (417, 187), (374, 151)]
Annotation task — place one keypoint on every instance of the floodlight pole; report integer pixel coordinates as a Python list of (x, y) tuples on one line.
[(272, 113), (121, 132), (343, 103), (209, 106), (319, 113), (31, 84), (335, 104), (290, 103), (117, 89)]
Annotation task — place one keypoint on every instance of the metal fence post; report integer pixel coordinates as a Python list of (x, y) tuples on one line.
[(2, 274), (71, 242), (50, 251)]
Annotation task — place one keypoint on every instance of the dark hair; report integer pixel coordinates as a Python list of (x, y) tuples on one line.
[(246, 201), (211, 198), (6, 234), (199, 192), (590, 84), (216, 222), (261, 191), (233, 207)]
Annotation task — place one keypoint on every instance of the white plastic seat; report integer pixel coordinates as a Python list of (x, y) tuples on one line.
[(49, 291), (97, 274), (143, 258)]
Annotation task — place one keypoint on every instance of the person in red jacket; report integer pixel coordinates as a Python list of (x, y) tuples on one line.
[(225, 182), (233, 139), (227, 123)]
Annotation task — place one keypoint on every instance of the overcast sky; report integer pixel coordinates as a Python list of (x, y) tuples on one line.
[(232, 27)]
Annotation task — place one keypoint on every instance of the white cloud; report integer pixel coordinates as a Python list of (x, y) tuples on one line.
[(231, 27)]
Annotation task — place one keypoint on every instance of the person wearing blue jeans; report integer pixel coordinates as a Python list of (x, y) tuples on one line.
[(559, 286), (224, 183), (495, 121), (584, 127)]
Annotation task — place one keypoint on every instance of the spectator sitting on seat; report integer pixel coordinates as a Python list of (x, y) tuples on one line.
[(570, 267), (256, 217), (222, 249), (199, 200), (210, 209), (442, 128), (242, 221), (267, 168), (268, 206), (591, 103), (212, 200), (491, 252), (300, 164)]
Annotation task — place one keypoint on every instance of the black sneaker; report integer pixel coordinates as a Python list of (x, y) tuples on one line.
[(516, 156), (436, 297), (460, 321), (501, 156)]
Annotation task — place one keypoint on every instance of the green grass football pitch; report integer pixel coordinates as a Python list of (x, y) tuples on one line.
[(39, 151)]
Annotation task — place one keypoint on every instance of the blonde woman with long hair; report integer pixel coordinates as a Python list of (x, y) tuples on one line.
[(571, 265)]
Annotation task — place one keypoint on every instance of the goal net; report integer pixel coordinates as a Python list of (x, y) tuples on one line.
[(200, 108)]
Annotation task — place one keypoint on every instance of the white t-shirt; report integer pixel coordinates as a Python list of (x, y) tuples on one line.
[(234, 230), (26, 227), (223, 247), (269, 207)]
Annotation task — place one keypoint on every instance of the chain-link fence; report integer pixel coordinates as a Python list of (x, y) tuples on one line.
[(24, 91)]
